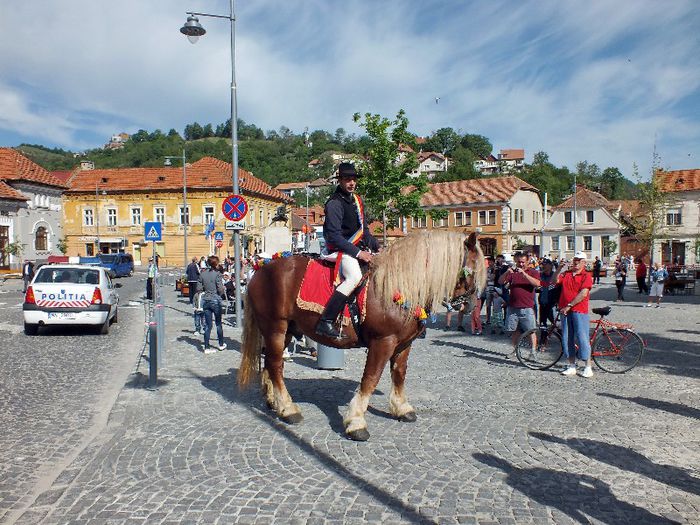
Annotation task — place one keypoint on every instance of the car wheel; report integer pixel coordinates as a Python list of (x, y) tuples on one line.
[(31, 329), (115, 319)]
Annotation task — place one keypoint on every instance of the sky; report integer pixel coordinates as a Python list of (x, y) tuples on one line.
[(601, 81)]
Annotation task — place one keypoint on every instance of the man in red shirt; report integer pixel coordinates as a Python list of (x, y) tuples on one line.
[(576, 284), (641, 275), (520, 315)]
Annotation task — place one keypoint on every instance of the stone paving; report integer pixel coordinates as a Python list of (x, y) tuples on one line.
[(494, 441)]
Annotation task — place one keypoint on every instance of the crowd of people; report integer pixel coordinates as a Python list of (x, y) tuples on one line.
[(528, 291)]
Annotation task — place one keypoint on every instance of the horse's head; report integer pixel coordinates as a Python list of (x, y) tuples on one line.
[(472, 276)]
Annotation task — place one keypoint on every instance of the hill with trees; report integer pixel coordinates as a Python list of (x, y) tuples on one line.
[(281, 155)]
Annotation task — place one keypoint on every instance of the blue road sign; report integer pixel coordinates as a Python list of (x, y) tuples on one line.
[(234, 207), (153, 231), (218, 236)]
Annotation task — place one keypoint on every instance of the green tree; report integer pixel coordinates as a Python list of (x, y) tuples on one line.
[(444, 140), (479, 145), (388, 189), (62, 245), (461, 167)]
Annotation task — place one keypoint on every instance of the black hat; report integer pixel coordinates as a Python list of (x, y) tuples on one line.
[(345, 169)]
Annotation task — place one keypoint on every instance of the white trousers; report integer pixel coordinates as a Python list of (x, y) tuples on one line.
[(351, 274)]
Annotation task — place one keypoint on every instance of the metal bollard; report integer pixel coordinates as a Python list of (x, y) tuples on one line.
[(152, 355)]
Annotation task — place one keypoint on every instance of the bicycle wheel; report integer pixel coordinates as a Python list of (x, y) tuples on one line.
[(617, 350), (547, 352)]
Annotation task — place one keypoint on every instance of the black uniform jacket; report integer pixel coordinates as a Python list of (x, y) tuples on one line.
[(342, 222)]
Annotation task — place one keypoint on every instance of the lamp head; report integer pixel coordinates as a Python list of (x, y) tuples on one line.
[(192, 29)]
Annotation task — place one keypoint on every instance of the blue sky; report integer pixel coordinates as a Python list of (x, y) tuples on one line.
[(600, 81)]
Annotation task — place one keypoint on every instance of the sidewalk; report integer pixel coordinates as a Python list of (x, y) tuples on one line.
[(494, 442)]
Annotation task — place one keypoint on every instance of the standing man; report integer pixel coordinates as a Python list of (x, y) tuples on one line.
[(576, 286), (620, 277), (520, 315), (192, 273), (27, 273), (347, 236), (152, 272), (597, 267), (641, 274), (548, 293)]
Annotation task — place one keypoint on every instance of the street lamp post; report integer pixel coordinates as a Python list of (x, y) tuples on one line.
[(575, 210), (193, 30), (97, 219), (308, 224), (168, 158)]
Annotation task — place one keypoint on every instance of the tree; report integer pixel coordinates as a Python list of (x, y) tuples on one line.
[(612, 184), (479, 145), (388, 189), (444, 140), (652, 204), (460, 168)]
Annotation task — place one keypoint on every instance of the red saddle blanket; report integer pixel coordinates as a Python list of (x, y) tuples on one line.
[(317, 287)]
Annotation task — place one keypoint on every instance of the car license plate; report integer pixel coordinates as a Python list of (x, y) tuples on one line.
[(61, 315)]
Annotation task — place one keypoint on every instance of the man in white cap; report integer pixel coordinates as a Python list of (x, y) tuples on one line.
[(576, 284)]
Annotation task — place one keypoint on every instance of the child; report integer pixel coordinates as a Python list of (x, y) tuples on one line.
[(497, 312), (198, 312)]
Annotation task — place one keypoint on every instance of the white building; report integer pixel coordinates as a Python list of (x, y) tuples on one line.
[(678, 241), (597, 230)]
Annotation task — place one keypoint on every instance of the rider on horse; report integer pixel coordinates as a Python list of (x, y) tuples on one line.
[(347, 236)]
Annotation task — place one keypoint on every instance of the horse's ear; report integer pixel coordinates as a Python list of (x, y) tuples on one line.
[(470, 243)]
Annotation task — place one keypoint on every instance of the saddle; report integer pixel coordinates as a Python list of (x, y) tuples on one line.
[(318, 286)]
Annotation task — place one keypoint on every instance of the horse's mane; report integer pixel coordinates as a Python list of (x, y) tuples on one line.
[(423, 267)]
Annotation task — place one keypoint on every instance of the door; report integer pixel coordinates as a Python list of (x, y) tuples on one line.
[(4, 241)]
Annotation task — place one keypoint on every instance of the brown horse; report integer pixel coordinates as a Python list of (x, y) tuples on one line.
[(422, 266)]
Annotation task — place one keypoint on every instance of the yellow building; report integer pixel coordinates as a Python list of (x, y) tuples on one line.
[(105, 210)]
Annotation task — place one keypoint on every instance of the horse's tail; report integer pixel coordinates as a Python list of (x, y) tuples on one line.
[(252, 346)]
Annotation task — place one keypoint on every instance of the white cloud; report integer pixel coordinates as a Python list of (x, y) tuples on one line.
[(595, 81)]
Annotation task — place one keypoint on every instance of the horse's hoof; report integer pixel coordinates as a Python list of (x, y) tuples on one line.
[(359, 435), (408, 417), (293, 419)]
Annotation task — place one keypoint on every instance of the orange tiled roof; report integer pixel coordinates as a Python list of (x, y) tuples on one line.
[(512, 154), (628, 208), (585, 198), (206, 173), (423, 155), (474, 191), (679, 180), (375, 228), (9, 193), (63, 176), (15, 166), (291, 186)]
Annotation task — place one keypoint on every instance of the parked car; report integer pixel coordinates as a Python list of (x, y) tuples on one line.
[(70, 294), (118, 264)]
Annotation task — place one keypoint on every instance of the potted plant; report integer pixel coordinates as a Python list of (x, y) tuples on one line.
[(184, 286), (180, 283)]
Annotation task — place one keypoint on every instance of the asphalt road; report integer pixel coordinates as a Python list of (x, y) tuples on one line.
[(56, 391)]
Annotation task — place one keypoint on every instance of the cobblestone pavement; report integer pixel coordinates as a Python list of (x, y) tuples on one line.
[(494, 441)]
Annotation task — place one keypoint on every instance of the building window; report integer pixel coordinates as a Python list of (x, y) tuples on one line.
[(568, 217), (570, 242), (673, 218), (535, 217), (519, 215), (587, 243), (184, 215), (111, 217), (89, 250), (487, 217), (251, 213), (88, 217), (208, 214), (589, 216), (159, 214), (439, 223), (136, 216), (41, 240), (419, 222), (459, 218), (555, 243), (262, 217)]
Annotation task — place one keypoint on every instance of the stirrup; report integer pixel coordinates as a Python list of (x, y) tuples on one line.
[(327, 329)]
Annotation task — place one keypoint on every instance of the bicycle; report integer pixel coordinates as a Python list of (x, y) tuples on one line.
[(615, 347)]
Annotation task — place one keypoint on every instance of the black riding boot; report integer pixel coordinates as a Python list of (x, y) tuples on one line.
[(326, 324)]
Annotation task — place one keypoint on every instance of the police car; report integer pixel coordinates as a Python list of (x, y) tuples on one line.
[(70, 294)]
